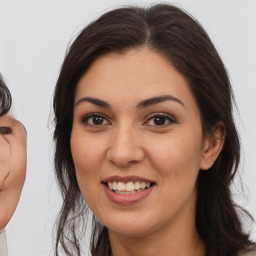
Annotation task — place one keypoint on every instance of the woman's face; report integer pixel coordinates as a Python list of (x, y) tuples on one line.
[(137, 143)]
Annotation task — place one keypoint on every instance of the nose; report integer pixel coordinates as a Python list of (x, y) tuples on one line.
[(124, 148)]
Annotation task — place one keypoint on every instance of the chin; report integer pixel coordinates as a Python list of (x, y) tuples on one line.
[(130, 228), (130, 231)]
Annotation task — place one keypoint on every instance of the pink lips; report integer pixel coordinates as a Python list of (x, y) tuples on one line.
[(127, 199)]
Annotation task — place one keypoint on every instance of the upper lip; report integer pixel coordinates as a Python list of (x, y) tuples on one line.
[(126, 179)]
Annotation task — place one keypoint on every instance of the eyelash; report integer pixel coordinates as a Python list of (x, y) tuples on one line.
[(166, 117), (85, 120)]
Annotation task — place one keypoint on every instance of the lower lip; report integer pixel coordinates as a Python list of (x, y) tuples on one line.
[(127, 199)]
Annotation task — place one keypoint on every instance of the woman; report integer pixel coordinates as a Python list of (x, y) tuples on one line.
[(145, 138), (12, 163)]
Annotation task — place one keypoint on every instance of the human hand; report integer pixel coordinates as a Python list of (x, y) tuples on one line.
[(13, 158)]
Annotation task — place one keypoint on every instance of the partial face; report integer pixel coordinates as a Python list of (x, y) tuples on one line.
[(13, 159), (137, 143)]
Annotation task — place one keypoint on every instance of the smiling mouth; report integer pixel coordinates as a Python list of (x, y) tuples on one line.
[(130, 187)]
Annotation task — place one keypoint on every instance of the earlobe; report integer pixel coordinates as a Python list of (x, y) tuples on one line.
[(213, 144)]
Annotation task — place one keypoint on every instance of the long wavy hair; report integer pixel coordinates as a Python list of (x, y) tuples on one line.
[(178, 37)]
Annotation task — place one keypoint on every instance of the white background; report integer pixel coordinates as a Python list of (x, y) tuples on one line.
[(33, 39)]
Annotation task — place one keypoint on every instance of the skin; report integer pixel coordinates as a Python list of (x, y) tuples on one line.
[(129, 141), (12, 166)]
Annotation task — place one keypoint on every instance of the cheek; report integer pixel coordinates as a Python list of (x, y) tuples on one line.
[(177, 161), (87, 153), (177, 155), (85, 164)]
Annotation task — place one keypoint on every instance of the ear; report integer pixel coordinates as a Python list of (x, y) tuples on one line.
[(212, 145)]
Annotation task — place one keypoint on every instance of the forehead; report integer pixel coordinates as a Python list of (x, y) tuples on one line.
[(137, 73)]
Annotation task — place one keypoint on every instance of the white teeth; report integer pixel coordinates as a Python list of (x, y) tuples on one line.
[(110, 185), (115, 185), (120, 186), (125, 192), (130, 192), (129, 187), (137, 185)]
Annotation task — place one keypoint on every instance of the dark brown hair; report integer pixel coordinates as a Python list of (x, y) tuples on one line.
[(5, 98), (178, 37)]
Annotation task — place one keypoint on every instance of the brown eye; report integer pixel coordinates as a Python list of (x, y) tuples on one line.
[(95, 120), (160, 120)]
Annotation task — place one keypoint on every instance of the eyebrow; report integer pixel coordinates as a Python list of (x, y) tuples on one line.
[(155, 100), (98, 102), (143, 104)]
